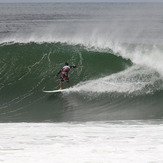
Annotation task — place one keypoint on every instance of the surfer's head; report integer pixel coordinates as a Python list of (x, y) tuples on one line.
[(66, 63)]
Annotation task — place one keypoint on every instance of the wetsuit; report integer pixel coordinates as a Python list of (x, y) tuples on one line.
[(64, 72)]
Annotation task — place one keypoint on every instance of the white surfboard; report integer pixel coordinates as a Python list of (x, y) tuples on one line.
[(55, 91)]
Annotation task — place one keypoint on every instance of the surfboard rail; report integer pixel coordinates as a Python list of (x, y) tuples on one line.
[(55, 91)]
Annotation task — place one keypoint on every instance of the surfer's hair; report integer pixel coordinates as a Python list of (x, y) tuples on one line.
[(66, 63)]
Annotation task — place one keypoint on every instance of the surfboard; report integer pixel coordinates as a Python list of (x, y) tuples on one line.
[(55, 91)]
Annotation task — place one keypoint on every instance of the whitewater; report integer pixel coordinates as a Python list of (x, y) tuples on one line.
[(113, 113)]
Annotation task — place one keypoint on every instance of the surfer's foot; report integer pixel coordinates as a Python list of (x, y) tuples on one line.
[(60, 89)]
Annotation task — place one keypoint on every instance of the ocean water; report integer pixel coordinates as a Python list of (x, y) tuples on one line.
[(114, 111)]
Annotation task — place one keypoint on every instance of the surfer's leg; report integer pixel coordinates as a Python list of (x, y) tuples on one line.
[(69, 84), (67, 80), (61, 81), (60, 85)]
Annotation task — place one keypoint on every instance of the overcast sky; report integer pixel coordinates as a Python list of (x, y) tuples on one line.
[(45, 1)]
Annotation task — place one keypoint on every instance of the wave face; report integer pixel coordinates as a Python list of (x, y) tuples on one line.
[(119, 72), (106, 86)]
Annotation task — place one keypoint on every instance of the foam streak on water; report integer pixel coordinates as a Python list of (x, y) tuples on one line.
[(133, 80), (93, 142)]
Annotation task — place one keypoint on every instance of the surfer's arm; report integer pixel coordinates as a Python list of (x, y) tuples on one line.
[(58, 74), (73, 66)]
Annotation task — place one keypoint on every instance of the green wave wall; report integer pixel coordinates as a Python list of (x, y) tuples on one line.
[(28, 69)]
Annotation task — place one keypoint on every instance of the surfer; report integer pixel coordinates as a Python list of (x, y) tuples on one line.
[(64, 74)]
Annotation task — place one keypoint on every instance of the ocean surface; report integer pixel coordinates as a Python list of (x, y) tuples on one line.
[(114, 111)]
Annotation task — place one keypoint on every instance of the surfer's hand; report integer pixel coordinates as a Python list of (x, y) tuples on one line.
[(55, 77)]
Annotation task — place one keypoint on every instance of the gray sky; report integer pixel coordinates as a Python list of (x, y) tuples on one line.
[(45, 1)]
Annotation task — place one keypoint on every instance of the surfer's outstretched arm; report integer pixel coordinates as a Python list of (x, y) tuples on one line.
[(73, 66)]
